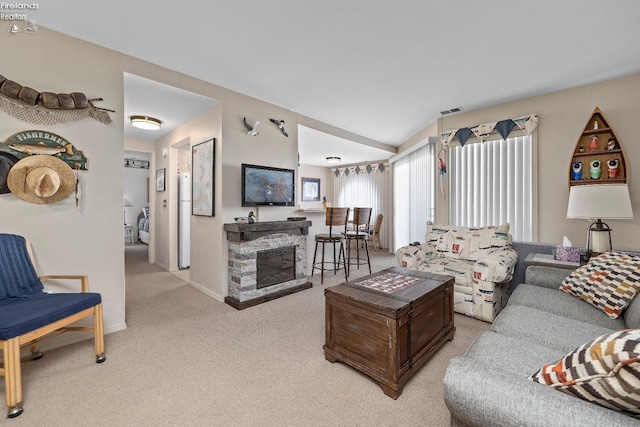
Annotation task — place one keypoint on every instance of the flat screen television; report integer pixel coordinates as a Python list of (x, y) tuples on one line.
[(267, 186)]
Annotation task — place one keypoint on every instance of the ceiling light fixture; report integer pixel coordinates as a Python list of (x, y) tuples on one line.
[(145, 122), (333, 159)]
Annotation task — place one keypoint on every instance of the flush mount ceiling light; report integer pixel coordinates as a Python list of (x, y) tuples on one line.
[(145, 122), (333, 159)]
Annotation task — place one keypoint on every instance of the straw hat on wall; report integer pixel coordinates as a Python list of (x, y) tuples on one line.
[(41, 179)]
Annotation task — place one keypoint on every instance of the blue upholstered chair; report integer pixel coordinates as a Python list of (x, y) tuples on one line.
[(28, 314)]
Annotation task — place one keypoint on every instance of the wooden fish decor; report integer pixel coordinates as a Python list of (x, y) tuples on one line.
[(32, 142), (48, 108)]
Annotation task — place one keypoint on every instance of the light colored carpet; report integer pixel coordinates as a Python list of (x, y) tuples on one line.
[(189, 360)]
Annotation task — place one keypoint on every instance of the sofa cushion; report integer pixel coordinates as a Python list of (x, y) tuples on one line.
[(608, 281), (562, 304), (516, 355), (605, 371), (544, 328), (482, 395), (631, 314), (467, 242), (26, 313)]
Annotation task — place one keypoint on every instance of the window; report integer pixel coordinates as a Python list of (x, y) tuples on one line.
[(492, 183), (366, 186), (413, 195)]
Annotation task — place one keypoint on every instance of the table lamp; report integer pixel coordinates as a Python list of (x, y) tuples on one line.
[(597, 202)]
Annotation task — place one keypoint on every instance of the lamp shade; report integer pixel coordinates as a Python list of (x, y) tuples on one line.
[(127, 203), (599, 201)]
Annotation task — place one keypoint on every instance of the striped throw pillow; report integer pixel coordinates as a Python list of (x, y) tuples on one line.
[(608, 282), (605, 371)]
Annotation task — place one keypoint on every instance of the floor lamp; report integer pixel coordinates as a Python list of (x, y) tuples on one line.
[(595, 203)]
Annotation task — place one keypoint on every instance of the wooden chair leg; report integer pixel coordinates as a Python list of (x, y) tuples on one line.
[(98, 334), (12, 376)]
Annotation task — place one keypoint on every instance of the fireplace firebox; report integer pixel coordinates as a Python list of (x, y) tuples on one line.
[(275, 266)]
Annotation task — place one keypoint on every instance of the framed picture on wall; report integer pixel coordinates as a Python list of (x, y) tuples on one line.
[(160, 179), (203, 178), (310, 189)]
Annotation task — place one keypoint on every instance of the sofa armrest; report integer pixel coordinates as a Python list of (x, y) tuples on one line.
[(546, 277), (497, 266), (411, 256), (480, 395)]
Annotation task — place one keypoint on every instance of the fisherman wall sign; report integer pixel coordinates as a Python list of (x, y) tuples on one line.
[(32, 142)]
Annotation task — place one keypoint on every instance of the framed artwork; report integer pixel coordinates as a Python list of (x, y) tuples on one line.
[(160, 179), (310, 189), (202, 178)]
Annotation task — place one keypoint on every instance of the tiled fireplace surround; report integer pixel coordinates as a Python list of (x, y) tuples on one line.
[(245, 241)]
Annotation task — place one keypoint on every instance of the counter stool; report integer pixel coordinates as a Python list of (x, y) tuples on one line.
[(335, 217), (360, 234)]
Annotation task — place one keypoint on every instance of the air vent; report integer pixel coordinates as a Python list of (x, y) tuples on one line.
[(451, 111)]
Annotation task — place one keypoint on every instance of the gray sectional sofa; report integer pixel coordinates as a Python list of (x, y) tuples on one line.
[(488, 385)]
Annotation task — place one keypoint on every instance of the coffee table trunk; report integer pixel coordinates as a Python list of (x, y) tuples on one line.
[(389, 336)]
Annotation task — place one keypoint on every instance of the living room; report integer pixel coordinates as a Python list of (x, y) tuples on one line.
[(61, 233)]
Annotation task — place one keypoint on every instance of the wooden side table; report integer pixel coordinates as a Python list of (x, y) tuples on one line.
[(547, 260), (128, 233)]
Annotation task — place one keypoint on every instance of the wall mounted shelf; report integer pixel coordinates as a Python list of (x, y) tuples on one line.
[(598, 157)]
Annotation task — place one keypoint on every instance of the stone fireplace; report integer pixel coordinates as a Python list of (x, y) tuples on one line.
[(267, 260)]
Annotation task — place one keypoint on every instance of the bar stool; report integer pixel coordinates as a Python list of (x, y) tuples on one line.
[(360, 234), (335, 217)]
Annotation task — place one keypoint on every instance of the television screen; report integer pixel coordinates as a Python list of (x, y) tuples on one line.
[(267, 186)]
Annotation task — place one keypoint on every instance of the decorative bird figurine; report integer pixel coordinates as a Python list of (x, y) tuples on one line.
[(280, 124), (251, 130)]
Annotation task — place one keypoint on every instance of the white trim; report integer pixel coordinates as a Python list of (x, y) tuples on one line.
[(428, 140)]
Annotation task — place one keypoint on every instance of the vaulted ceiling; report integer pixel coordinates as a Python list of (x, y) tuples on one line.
[(380, 69)]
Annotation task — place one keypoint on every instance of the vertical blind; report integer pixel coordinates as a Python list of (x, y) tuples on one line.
[(413, 195), (366, 190), (491, 183)]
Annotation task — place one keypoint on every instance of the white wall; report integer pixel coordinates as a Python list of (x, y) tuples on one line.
[(66, 240)]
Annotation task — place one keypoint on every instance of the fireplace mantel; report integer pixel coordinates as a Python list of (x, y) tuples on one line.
[(247, 232)]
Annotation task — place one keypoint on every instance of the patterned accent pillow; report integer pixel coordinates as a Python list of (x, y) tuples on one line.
[(608, 282), (605, 371)]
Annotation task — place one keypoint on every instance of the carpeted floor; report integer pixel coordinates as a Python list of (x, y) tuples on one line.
[(188, 360)]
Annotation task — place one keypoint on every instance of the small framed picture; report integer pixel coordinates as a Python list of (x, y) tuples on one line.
[(160, 179), (310, 189)]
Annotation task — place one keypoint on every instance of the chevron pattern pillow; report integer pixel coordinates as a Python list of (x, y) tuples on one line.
[(608, 282), (605, 371)]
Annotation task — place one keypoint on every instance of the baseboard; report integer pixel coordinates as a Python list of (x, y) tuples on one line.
[(164, 267), (207, 291)]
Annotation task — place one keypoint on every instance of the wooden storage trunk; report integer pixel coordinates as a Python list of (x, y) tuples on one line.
[(389, 334)]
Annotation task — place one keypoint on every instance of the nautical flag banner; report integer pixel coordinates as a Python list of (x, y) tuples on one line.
[(493, 130)]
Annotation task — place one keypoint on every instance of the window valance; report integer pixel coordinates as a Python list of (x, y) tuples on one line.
[(362, 168), (493, 130)]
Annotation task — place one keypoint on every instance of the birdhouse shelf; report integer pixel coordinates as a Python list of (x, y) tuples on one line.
[(598, 157)]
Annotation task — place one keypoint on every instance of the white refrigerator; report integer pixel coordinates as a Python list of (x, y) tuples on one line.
[(184, 220)]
